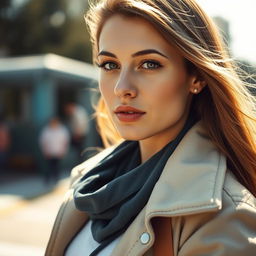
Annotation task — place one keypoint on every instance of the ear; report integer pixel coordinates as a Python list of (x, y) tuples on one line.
[(197, 84)]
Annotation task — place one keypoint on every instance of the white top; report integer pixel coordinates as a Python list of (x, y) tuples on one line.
[(84, 244), (54, 141)]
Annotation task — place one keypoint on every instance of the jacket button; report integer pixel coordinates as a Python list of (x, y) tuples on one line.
[(144, 238)]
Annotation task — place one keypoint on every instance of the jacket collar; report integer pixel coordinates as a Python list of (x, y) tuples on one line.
[(192, 179), (191, 182)]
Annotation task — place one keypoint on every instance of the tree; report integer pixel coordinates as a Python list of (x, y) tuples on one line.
[(5, 20), (43, 26)]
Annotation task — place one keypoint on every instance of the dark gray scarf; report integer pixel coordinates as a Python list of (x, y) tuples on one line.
[(117, 189)]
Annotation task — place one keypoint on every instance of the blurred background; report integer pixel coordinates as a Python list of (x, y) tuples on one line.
[(47, 92)]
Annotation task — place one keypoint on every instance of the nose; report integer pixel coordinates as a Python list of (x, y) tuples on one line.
[(124, 87)]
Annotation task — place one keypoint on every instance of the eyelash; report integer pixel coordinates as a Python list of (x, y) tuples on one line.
[(103, 65), (156, 63)]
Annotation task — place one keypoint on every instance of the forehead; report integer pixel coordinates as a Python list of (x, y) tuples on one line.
[(130, 32)]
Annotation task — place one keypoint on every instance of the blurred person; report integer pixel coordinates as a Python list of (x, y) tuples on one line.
[(54, 143), (78, 124), (5, 141), (180, 176)]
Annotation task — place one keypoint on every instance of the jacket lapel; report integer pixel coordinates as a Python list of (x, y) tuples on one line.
[(191, 182), (192, 179), (68, 223), (69, 220)]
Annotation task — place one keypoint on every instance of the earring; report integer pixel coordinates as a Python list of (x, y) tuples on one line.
[(195, 90)]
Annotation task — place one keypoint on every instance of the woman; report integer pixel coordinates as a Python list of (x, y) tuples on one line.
[(184, 169)]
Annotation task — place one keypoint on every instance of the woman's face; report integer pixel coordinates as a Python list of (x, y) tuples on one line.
[(143, 80)]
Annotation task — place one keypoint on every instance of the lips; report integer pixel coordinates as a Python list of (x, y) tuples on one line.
[(128, 113)]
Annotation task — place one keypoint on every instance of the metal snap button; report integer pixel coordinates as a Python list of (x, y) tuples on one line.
[(144, 238)]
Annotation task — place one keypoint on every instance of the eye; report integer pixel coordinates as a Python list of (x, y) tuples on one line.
[(108, 65), (151, 64)]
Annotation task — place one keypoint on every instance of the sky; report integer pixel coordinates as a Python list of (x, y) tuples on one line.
[(242, 17)]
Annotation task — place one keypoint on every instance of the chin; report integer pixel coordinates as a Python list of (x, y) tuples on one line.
[(134, 135), (130, 135)]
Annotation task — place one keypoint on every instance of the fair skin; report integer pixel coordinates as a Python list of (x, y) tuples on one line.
[(141, 70)]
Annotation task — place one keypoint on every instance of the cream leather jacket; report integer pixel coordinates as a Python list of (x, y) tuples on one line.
[(212, 214)]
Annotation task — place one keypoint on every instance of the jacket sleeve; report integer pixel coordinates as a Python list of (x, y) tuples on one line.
[(229, 232)]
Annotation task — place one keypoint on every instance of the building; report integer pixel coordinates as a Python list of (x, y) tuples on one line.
[(35, 88)]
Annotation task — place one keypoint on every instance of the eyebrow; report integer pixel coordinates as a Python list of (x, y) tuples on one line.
[(105, 53), (148, 51), (139, 53)]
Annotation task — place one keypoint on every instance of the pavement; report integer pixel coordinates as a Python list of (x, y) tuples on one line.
[(17, 187), (27, 211)]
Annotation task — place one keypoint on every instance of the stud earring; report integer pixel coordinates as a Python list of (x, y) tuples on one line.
[(195, 90)]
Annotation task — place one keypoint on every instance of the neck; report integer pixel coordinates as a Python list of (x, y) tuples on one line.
[(153, 144)]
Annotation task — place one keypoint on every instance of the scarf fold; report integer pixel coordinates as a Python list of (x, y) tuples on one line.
[(118, 188)]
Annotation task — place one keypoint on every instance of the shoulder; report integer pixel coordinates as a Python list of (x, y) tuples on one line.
[(82, 169), (231, 230), (237, 194)]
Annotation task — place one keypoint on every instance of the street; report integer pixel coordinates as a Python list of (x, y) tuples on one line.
[(26, 223)]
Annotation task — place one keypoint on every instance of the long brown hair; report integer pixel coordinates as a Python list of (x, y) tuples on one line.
[(225, 106)]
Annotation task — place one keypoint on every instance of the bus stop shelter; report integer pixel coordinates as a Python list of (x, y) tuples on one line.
[(36, 88)]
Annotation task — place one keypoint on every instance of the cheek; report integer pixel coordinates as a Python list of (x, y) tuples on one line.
[(173, 84), (106, 90), (106, 96), (103, 89), (171, 97)]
